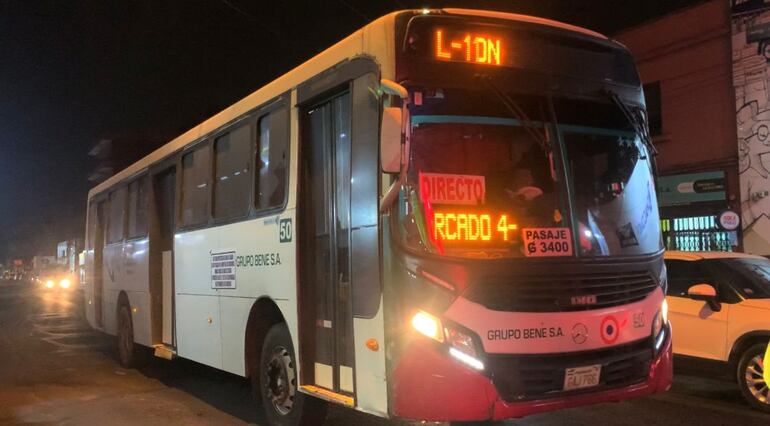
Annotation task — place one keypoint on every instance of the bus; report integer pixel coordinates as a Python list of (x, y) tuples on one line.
[(450, 215)]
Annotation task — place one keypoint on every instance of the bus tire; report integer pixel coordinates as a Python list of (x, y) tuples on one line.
[(749, 374), (276, 381), (130, 354)]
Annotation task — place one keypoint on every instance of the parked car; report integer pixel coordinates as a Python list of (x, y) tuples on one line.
[(719, 308)]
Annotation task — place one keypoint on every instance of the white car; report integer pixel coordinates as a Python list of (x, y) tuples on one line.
[(719, 309)]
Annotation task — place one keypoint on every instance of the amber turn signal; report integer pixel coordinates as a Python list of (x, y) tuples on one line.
[(372, 345)]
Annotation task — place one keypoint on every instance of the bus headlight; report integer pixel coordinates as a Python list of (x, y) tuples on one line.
[(663, 279), (463, 348), (428, 325), (461, 341), (65, 283), (49, 284), (659, 324), (461, 345), (466, 359)]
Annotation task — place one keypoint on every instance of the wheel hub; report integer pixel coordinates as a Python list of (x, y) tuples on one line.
[(755, 380), (280, 383)]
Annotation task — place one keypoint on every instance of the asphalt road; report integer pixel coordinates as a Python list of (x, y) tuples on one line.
[(55, 370)]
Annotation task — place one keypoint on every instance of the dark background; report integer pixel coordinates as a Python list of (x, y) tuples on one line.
[(74, 72)]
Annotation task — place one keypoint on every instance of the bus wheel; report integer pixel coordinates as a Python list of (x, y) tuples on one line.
[(276, 380), (750, 380), (130, 354)]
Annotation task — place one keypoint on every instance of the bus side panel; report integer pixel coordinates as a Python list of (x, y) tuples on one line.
[(88, 294), (371, 376), (368, 321), (125, 269), (235, 314), (135, 279), (265, 266), (197, 304), (88, 284), (113, 263)]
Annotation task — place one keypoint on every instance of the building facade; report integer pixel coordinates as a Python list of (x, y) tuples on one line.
[(750, 30)]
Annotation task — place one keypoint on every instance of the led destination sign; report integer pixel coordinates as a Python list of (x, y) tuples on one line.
[(463, 227), (501, 44), (463, 46)]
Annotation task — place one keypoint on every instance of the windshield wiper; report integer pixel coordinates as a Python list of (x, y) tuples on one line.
[(636, 117), (519, 114)]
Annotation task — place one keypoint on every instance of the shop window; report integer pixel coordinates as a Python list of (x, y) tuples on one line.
[(696, 233)]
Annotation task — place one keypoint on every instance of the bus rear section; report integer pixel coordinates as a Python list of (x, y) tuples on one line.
[(523, 257)]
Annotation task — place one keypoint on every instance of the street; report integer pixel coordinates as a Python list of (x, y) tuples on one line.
[(55, 370)]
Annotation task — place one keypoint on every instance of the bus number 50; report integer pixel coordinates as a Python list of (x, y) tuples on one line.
[(284, 233)]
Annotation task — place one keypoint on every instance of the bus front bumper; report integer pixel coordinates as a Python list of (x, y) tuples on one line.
[(431, 386)]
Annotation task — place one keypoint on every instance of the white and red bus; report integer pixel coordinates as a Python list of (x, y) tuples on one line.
[(449, 215)]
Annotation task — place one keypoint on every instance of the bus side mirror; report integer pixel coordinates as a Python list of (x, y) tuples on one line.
[(394, 129), (705, 293), (390, 139)]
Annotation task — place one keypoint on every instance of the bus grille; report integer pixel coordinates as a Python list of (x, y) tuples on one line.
[(561, 293), (525, 377)]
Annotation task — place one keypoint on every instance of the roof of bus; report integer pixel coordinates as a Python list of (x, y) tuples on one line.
[(525, 18), (376, 39)]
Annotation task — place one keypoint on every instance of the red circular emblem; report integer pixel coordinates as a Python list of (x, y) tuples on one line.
[(610, 330)]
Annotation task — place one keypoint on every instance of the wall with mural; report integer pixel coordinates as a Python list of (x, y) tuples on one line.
[(751, 78)]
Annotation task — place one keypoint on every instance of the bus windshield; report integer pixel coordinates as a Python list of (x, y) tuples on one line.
[(492, 186)]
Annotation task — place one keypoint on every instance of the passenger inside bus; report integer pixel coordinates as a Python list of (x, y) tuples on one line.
[(523, 188)]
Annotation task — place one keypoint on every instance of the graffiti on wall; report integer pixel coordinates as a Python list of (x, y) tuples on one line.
[(751, 78)]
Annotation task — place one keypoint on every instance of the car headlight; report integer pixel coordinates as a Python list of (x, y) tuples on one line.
[(65, 283), (49, 284)]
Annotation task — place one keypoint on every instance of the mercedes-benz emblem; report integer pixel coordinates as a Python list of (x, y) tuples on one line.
[(579, 333)]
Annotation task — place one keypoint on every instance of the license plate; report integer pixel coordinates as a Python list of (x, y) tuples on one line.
[(582, 377)]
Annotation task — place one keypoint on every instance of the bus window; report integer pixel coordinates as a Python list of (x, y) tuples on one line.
[(116, 215), (137, 208), (271, 162), (195, 186), (231, 174)]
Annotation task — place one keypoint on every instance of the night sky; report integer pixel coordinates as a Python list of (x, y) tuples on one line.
[(74, 72)]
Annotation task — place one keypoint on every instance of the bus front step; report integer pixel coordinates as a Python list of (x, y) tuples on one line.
[(165, 352)]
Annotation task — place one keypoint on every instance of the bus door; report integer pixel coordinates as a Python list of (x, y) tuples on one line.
[(325, 286), (98, 277), (161, 254)]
